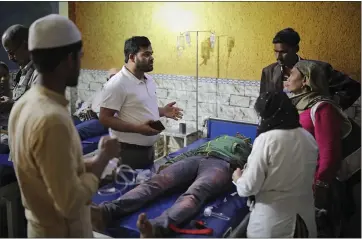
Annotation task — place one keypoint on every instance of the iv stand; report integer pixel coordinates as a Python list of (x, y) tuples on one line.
[(218, 69), (197, 78)]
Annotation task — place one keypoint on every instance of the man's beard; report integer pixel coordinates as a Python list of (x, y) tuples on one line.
[(144, 67), (73, 79)]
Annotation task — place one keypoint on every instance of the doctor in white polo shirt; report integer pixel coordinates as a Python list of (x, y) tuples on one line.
[(129, 104)]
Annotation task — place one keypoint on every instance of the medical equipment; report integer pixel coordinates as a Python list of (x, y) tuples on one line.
[(212, 40), (144, 176), (110, 192), (230, 45), (124, 177), (111, 166), (122, 183), (205, 51), (180, 44), (209, 213), (188, 40), (88, 142)]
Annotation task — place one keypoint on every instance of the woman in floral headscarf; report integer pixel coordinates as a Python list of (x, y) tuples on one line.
[(338, 139)]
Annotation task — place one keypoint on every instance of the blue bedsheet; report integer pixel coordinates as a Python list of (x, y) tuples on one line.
[(88, 146), (230, 204), (91, 144), (4, 160)]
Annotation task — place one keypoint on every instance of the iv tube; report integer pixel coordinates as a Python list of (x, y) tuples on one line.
[(209, 213)]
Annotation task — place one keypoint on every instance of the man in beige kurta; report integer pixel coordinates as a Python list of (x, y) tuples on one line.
[(56, 185)]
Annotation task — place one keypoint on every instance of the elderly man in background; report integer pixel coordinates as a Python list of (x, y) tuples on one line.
[(15, 43), (344, 90), (56, 185), (86, 117)]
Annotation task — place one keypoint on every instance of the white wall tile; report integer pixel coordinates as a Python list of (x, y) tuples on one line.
[(222, 98)]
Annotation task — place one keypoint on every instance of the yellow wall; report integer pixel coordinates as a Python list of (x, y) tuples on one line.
[(330, 31)]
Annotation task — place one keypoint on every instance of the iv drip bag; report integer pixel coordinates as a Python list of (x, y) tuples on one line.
[(212, 40)]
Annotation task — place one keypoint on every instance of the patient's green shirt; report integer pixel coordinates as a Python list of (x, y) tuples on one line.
[(235, 150)]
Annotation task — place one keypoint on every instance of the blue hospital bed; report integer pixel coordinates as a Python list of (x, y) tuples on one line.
[(88, 146), (230, 204)]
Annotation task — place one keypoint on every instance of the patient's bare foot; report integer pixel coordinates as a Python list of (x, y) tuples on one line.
[(98, 219), (144, 226)]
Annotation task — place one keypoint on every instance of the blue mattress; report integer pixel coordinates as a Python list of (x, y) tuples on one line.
[(230, 204), (4, 160), (91, 144), (88, 145)]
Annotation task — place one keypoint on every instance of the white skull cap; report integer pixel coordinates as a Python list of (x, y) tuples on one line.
[(52, 31)]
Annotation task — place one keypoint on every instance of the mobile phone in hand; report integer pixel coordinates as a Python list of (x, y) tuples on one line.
[(157, 125)]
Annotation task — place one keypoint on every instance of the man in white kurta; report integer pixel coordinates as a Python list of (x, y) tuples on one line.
[(55, 183)]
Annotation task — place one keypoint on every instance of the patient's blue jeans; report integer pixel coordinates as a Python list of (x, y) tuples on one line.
[(90, 128), (206, 178)]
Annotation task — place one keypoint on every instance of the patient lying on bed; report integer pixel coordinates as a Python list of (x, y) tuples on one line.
[(206, 170)]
